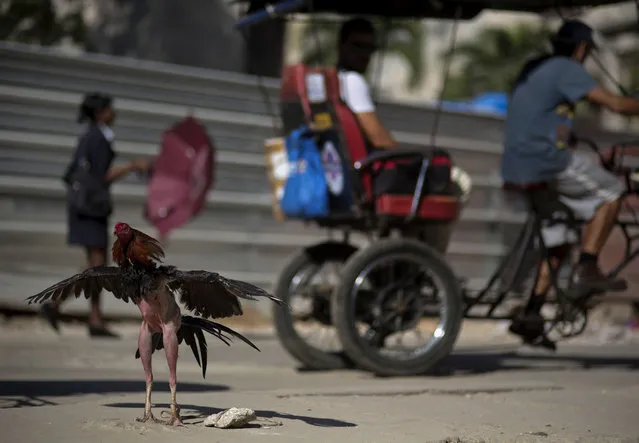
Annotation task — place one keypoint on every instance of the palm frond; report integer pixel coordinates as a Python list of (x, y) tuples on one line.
[(492, 59), (401, 37)]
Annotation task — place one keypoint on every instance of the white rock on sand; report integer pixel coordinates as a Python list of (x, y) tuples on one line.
[(231, 418)]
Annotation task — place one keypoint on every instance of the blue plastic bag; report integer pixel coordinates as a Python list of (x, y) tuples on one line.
[(305, 191)]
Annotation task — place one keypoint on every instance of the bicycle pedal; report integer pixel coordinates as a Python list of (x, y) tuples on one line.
[(544, 342), (586, 290), (618, 285)]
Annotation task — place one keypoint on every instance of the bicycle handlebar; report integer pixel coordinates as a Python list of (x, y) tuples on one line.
[(270, 11), (612, 159), (590, 143), (593, 145)]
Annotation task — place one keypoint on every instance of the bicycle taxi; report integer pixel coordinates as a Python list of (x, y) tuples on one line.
[(394, 287)]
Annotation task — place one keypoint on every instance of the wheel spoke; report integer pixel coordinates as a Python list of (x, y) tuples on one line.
[(400, 302), (309, 310)]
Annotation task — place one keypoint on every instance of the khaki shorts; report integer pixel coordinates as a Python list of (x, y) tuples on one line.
[(583, 186)]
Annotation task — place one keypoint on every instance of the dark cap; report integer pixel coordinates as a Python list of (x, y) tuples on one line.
[(575, 31)]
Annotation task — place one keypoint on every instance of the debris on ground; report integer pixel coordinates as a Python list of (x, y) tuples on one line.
[(231, 418), (460, 440)]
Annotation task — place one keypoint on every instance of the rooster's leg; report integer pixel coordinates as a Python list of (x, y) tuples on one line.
[(146, 351), (169, 336)]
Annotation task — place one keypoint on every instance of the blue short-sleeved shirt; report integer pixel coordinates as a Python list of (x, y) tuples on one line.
[(539, 120)]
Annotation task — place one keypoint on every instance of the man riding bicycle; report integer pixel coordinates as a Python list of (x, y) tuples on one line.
[(538, 151)]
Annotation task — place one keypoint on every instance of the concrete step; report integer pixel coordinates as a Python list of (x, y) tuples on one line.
[(473, 154), (13, 188), (140, 133), (139, 79), (33, 260), (200, 240), (32, 108), (48, 187), (143, 121), (233, 177), (34, 255), (230, 218), (25, 65), (237, 251), (52, 145), (125, 79), (250, 218), (229, 251), (48, 155), (130, 129), (39, 248)]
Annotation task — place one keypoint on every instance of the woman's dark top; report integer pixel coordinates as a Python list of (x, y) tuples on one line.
[(91, 231)]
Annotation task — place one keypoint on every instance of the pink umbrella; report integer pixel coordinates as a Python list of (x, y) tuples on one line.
[(181, 176)]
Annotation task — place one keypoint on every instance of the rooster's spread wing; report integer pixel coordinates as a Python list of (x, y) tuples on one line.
[(210, 295), (89, 282)]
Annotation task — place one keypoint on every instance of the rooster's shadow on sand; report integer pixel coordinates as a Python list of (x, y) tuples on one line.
[(195, 414), (34, 393)]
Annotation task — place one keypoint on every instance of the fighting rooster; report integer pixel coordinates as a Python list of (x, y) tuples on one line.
[(139, 278)]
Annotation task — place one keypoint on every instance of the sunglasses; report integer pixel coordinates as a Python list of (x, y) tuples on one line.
[(363, 47)]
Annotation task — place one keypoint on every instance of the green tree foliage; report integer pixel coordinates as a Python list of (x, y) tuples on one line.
[(401, 37), (492, 60), (37, 21)]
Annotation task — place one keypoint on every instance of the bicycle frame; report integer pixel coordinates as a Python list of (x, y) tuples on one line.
[(510, 269)]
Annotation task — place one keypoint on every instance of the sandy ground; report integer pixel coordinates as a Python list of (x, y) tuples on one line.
[(69, 388)]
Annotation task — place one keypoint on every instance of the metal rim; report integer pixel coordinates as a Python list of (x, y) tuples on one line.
[(298, 284), (442, 295)]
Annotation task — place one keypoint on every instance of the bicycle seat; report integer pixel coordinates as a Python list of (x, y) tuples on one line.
[(525, 187)]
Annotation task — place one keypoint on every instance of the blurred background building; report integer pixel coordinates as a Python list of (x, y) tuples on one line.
[(489, 52), (490, 49), (236, 235)]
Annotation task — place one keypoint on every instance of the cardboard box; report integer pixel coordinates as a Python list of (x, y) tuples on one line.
[(277, 169)]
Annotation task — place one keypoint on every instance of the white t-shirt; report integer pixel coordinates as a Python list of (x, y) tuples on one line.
[(355, 92)]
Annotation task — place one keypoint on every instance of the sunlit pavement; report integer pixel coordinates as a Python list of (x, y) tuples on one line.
[(70, 388)]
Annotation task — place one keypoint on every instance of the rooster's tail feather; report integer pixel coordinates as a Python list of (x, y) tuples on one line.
[(191, 332)]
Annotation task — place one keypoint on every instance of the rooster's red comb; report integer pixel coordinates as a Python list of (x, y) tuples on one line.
[(121, 226)]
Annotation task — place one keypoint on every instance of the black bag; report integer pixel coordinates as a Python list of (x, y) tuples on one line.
[(86, 194), (438, 179)]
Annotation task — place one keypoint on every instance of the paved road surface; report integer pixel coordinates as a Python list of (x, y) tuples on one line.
[(71, 389)]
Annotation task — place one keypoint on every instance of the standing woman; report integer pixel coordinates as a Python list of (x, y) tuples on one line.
[(91, 231)]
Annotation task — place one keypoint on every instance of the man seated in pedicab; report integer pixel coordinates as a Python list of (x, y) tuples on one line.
[(538, 150), (356, 45)]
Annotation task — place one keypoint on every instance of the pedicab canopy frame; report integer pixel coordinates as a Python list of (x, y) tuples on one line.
[(337, 306), (263, 10)]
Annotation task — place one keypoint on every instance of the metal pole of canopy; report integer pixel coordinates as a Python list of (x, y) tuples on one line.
[(447, 65), (421, 179), (276, 124), (376, 82), (321, 57)]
